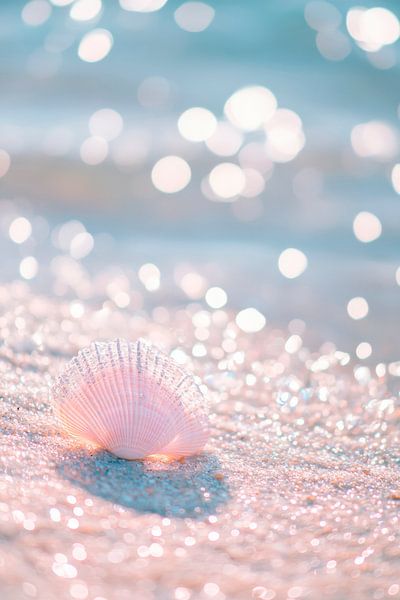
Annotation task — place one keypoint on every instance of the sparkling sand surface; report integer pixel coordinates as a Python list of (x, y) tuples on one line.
[(221, 179), (296, 496)]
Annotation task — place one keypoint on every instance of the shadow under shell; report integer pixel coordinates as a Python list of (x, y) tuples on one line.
[(190, 489)]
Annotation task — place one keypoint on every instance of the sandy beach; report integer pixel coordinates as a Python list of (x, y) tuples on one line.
[(297, 493), (221, 179)]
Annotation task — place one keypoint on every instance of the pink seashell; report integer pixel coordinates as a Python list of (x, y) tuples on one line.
[(132, 400)]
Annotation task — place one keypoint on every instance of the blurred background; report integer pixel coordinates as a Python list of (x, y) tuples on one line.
[(238, 155)]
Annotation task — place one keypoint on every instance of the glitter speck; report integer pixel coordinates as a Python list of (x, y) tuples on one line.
[(79, 591), (73, 523), (55, 515), (182, 593), (64, 570), (156, 550), (211, 589), (79, 552)]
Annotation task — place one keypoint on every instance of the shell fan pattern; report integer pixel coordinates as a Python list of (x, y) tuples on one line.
[(133, 400)]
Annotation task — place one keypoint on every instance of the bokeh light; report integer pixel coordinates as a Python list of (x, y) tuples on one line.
[(225, 141), (357, 308), (367, 227), (254, 155), (94, 150), (251, 107), (364, 350), (227, 180), (250, 320), (197, 124), (85, 10), (106, 123), (395, 176), (171, 174), (292, 263), (149, 274), (28, 267), (81, 245), (216, 297), (142, 5), (255, 183), (20, 230), (36, 12), (194, 16), (63, 235), (293, 344), (285, 137), (95, 45), (373, 28), (375, 139), (193, 285), (333, 45), (322, 16)]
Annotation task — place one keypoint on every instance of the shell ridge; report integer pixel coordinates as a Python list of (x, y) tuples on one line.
[(169, 366), (146, 427), (79, 424), (157, 396), (103, 379), (111, 378), (189, 440), (161, 428), (132, 399), (124, 382), (94, 399), (137, 388), (168, 387), (149, 429), (89, 411)]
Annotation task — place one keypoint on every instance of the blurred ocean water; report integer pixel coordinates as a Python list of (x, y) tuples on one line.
[(305, 54)]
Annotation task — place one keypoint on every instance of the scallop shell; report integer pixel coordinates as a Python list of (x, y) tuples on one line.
[(132, 400)]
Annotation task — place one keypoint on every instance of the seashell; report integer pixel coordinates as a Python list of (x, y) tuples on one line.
[(132, 400)]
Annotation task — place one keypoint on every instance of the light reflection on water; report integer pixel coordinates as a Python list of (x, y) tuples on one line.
[(256, 142)]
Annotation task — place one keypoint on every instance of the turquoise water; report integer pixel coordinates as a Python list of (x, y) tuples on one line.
[(45, 87)]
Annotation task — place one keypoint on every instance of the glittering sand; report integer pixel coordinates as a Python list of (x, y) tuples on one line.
[(297, 495)]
